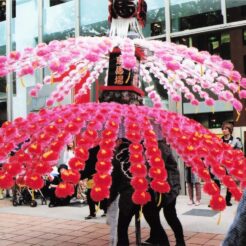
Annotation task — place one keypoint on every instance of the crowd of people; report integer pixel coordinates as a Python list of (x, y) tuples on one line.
[(120, 209)]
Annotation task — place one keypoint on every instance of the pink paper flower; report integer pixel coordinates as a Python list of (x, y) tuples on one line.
[(227, 65), (172, 65), (243, 83), (209, 101), (235, 76), (237, 105), (242, 94)]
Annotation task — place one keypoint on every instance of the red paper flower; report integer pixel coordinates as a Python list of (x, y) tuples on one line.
[(236, 193), (156, 161), (43, 137), (202, 151), (90, 134), (10, 131), (135, 148), (140, 197), (12, 168), (229, 182), (72, 128), (70, 176), (189, 150), (6, 181), (42, 168), (149, 134), (83, 142), (197, 163), (203, 173), (139, 183), (64, 190), (151, 141), (20, 181), (133, 136), (211, 188), (109, 134), (112, 124), (34, 181), (132, 127), (102, 179), (8, 147), (62, 136), (136, 158), (60, 122), (237, 173), (105, 154), (218, 171), (50, 156), (76, 163), (160, 186), (218, 203), (227, 163), (153, 151), (52, 129), (34, 149), (23, 157), (98, 193), (56, 146), (158, 173), (103, 166), (82, 153), (138, 170), (239, 164), (108, 143)]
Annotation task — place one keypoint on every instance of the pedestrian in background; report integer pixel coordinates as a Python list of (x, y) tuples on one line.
[(193, 181)]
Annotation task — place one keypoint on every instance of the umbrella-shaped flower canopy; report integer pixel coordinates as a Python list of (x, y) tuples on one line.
[(179, 69)]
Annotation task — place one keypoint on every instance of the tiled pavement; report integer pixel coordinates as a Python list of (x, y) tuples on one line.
[(41, 229), (22, 230)]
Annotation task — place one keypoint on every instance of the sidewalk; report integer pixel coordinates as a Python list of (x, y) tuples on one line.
[(66, 226)]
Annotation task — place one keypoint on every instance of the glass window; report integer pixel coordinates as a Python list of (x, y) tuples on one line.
[(25, 32), (244, 62), (3, 9), (191, 14), (215, 43), (244, 36), (155, 24), (56, 2), (94, 18), (59, 21), (212, 120), (236, 10)]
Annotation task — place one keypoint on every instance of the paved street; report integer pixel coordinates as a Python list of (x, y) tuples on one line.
[(66, 226)]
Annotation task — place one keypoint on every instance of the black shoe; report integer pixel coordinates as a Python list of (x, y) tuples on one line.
[(151, 243), (228, 204), (51, 205), (90, 217), (180, 243)]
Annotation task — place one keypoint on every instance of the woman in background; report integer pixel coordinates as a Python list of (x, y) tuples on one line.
[(193, 180)]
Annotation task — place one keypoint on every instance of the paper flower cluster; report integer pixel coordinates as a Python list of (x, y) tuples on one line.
[(41, 137), (199, 76)]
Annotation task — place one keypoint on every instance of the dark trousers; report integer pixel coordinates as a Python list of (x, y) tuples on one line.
[(228, 193), (58, 201), (92, 204), (172, 219), (127, 210)]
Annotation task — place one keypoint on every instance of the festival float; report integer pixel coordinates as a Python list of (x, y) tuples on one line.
[(124, 64)]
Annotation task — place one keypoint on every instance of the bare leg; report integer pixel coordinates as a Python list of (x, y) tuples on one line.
[(190, 193)]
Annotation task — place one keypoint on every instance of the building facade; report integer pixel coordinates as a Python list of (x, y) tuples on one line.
[(218, 26)]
